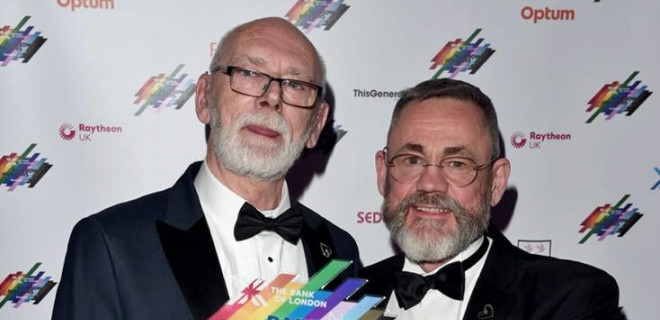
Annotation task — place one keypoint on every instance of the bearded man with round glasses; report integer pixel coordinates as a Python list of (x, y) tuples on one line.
[(184, 252), (440, 174)]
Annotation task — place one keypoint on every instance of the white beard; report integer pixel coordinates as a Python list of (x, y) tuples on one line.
[(256, 158)]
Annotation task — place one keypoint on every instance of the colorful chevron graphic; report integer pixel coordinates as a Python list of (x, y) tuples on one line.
[(22, 170), (22, 287), (165, 91), (461, 56), (657, 184), (16, 44), (617, 98), (608, 220), (311, 14), (284, 298), (339, 131)]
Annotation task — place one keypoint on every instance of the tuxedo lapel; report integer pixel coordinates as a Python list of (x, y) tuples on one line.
[(490, 300), (188, 246), (488, 303), (192, 258), (318, 245)]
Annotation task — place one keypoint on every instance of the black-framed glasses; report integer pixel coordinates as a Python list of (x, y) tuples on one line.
[(254, 84), (458, 171)]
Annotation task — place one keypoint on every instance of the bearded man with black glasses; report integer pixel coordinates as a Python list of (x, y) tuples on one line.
[(440, 174), (183, 252)]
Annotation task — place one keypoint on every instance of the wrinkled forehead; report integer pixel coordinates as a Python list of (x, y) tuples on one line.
[(457, 150), (441, 127), (274, 45)]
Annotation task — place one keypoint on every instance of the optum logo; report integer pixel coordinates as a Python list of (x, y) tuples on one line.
[(536, 15)]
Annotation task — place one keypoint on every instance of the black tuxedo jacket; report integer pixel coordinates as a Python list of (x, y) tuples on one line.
[(153, 258), (518, 285)]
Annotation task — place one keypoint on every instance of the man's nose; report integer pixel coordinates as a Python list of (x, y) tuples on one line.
[(432, 179), (273, 95)]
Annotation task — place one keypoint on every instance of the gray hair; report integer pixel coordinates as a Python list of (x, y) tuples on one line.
[(455, 89)]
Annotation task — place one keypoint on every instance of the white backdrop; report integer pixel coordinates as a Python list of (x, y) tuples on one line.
[(98, 53)]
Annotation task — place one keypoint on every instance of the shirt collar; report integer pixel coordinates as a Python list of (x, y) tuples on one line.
[(225, 202)]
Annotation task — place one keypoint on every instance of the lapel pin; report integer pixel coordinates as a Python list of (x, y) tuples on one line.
[(325, 250), (486, 313)]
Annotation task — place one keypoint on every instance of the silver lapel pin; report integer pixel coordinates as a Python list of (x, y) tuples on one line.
[(486, 313), (325, 250)]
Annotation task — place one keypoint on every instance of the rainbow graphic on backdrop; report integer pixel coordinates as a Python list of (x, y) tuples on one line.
[(617, 98), (461, 56), (19, 287), (20, 170), (657, 184), (165, 91), (309, 15), (16, 44), (608, 220), (284, 298)]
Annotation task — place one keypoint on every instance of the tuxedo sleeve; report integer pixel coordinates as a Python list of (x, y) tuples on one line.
[(593, 297), (88, 288)]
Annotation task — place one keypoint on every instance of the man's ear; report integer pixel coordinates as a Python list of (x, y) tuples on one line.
[(321, 115), (500, 175), (202, 97), (381, 171)]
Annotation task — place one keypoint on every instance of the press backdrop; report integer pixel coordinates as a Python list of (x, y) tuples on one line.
[(96, 109)]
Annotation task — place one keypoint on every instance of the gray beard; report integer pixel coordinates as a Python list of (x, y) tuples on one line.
[(255, 159), (423, 241)]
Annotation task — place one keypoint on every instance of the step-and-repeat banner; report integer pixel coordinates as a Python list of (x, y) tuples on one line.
[(97, 107)]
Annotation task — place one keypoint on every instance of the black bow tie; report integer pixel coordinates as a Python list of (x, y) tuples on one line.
[(250, 222), (411, 288)]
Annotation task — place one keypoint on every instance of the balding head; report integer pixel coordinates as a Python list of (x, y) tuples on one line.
[(259, 136), (271, 27)]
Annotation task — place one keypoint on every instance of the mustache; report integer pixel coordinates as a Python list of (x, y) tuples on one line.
[(434, 199), (272, 121)]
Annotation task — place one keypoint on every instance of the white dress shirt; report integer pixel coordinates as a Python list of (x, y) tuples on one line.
[(435, 305), (263, 256)]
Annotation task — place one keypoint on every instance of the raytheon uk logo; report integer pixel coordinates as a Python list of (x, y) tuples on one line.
[(67, 132), (22, 170), (85, 132), (617, 98), (608, 220), (22, 287), (311, 14), (16, 44), (165, 91), (519, 140), (461, 56)]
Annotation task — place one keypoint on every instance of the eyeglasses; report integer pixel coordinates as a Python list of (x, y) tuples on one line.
[(254, 84), (458, 171)]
